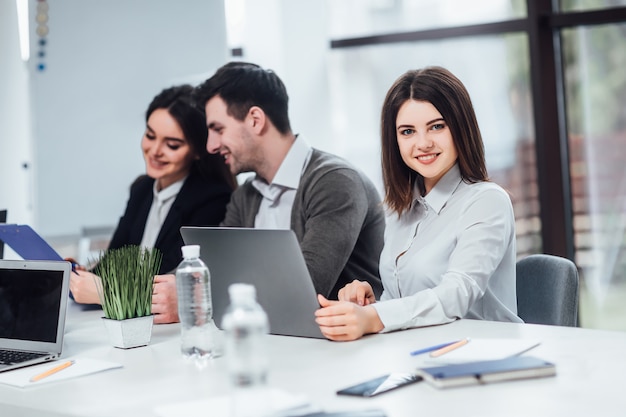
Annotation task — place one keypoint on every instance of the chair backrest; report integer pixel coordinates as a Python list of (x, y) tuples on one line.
[(547, 290)]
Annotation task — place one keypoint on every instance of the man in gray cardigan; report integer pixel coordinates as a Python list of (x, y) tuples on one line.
[(334, 209)]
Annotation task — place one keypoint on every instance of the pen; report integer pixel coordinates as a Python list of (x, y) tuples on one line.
[(449, 348), (431, 348), (51, 371)]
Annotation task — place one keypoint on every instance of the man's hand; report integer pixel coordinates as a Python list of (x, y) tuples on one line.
[(165, 299)]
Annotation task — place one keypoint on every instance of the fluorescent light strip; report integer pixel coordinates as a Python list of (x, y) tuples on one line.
[(22, 24)]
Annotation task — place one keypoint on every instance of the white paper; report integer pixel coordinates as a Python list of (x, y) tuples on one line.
[(82, 366), (278, 401), (484, 350)]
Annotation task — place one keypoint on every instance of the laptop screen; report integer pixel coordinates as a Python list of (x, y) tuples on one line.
[(30, 304)]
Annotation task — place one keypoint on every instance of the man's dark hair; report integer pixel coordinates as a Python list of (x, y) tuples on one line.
[(242, 85)]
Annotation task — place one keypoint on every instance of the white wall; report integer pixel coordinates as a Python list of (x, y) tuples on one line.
[(16, 182), (105, 60)]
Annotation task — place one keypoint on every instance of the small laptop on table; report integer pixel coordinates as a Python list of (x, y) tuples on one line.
[(33, 304), (272, 261)]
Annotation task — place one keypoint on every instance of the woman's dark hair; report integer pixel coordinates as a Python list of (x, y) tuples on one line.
[(242, 85), (180, 104), (447, 93)]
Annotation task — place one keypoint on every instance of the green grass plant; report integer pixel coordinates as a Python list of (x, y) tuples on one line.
[(126, 276)]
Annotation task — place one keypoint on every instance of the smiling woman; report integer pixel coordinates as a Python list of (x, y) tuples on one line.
[(184, 185), (449, 249)]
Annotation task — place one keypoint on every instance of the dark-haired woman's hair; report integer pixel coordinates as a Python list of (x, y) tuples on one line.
[(180, 104), (447, 93)]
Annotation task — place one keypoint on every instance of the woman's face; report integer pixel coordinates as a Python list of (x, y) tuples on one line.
[(166, 151), (425, 141)]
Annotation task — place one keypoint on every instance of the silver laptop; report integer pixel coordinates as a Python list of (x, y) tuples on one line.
[(272, 261), (33, 304)]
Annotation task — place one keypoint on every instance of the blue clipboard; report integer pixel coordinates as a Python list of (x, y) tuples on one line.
[(27, 243)]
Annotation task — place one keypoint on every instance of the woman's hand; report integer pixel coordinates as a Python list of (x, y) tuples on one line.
[(342, 320), (359, 292), (165, 299), (83, 287)]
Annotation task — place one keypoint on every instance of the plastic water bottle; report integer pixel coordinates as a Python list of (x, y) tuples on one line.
[(246, 327), (195, 309)]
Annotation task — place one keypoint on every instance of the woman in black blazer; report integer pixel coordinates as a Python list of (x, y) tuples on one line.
[(184, 185)]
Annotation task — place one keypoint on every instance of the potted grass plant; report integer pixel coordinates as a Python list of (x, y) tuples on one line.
[(125, 290)]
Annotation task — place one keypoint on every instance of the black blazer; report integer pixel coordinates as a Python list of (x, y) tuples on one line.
[(198, 203)]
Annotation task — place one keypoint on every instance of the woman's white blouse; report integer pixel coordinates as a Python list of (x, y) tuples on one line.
[(452, 255)]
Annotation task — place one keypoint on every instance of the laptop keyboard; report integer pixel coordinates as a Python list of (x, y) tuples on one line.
[(8, 357)]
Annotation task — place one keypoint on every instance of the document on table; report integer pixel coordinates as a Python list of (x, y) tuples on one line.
[(21, 377), (279, 403), (484, 350)]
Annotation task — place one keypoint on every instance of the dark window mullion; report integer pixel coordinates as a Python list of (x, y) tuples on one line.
[(550, 132), (596, 17), (496, 28)]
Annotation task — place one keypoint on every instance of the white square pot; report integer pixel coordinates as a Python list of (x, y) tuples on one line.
[(129, 333)]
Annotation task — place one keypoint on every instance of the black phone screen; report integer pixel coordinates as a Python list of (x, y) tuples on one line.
[(379, 385)]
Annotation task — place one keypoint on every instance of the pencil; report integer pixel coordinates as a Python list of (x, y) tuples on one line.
[(51, 371), (431, 348), (449, 348)]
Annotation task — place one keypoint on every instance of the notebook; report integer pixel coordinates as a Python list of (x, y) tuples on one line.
[(272, 261), (33, 302), (484, 372)]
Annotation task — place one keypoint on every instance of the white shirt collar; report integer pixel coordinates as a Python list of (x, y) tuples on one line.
[(289, 172), (442, 191), (168, 192)]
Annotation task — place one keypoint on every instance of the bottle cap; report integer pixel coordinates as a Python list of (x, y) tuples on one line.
[(191, 251), (242, 292)]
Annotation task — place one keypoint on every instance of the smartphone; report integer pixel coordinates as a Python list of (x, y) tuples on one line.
[(380, 384)]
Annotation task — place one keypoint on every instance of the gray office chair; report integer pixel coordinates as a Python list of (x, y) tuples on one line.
[(547, 290)]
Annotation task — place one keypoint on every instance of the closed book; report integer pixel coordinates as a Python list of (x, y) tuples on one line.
[(484, 372)]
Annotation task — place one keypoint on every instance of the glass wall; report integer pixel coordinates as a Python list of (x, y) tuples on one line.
[(588, 5), (595, 58), (354, 18)]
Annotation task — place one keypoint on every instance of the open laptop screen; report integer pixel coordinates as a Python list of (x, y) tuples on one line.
[(30, 304)]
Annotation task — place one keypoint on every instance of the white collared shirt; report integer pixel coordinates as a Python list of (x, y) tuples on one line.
[(161, 203), (452, 255), (275, 209)]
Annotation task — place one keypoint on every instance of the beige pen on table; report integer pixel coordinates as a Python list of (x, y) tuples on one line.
[(51, 371), (449, 348)]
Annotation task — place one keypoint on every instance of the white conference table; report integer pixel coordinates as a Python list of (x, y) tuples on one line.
[(590, 380)]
